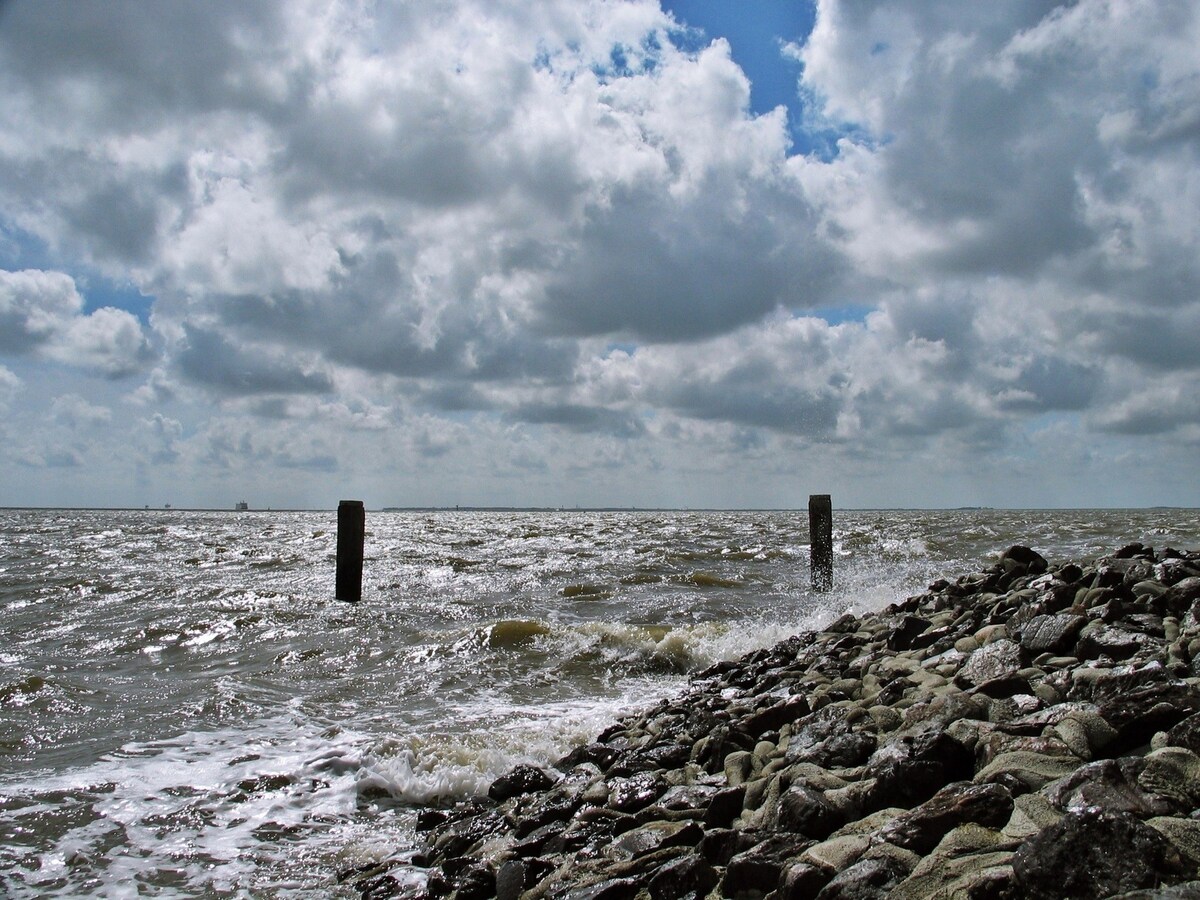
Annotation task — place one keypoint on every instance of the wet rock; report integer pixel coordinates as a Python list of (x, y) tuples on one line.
[(805, 811), (956, 804), (1051, 633), (994, 665), (1114, 642), (510, 880), (609, 889), (1023, 559), (910, 769), (634, 793), (776, 716), (1095, 853), (839, 750), (1186, 734), (760, 867), (654, 836), (1103, 784), (1173, 772), (867, 879), (688, 876)]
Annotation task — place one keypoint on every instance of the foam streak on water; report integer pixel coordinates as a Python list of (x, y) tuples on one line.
[(186, 711)]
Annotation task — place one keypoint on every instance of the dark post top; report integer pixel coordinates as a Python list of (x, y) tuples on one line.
[(352, 525), (820, 540)]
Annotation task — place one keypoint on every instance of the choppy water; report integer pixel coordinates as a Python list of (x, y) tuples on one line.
[(185, 710)]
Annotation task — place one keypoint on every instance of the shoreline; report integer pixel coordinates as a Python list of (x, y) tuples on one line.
[(1030, 730)]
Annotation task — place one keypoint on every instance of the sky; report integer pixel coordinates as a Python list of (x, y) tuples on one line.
[(686, 253)]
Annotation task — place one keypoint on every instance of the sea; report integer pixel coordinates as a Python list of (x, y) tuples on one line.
[(187, 711)]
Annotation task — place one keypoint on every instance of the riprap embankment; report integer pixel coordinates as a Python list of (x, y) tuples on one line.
[(1028, 731)]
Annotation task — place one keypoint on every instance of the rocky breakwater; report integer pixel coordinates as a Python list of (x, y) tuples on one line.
[(1028, 731)]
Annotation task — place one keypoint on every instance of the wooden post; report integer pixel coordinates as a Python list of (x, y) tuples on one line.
[(820, 541), (352, 524)]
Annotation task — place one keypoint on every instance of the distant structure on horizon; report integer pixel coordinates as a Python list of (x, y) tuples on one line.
[(241, 506)]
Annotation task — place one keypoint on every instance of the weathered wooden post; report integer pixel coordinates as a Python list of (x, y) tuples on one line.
[(352, 526), (820, 541)]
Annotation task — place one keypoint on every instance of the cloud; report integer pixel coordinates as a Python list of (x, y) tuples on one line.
[(521, 238), (42, 312), (10, 386), (34, 307), (1006, 143), (76, 413), (209, 359)]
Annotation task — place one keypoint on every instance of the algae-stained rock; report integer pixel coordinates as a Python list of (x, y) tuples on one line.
[(1188, 891), (1104, 784), (921, 829), (634, 793), (911, 768), (1183, 833), (994, 664), (609, 889), (976, 875), (1051, 633), (805, 811), (1094, 853), (1034, 770), (688, 876), (837, 853), (867, 879), (1186, 733), (1173, 772)]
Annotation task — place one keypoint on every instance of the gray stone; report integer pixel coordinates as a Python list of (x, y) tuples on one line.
[(1051, 633), (921, 829), (806, 811), (996, 663), (1094, 853)]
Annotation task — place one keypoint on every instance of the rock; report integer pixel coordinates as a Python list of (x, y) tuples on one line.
[(910, 769), (761, 867), (1189, 891), (994, 665), (802, 881), (1186, 734), (609, 889), (1094, 853), (1183, 833), (1031, 769), (984, 740), (776, 716), (688, 876), (805, 811), (1022, 558), (654, 836), (1051, 633), (1114, 642), (865, 880), (1102, 784), (923, 828), (634, 793), (906, 632), (1173, 772), (522, 779), (725, 806), (510, 880), (839, 750)]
